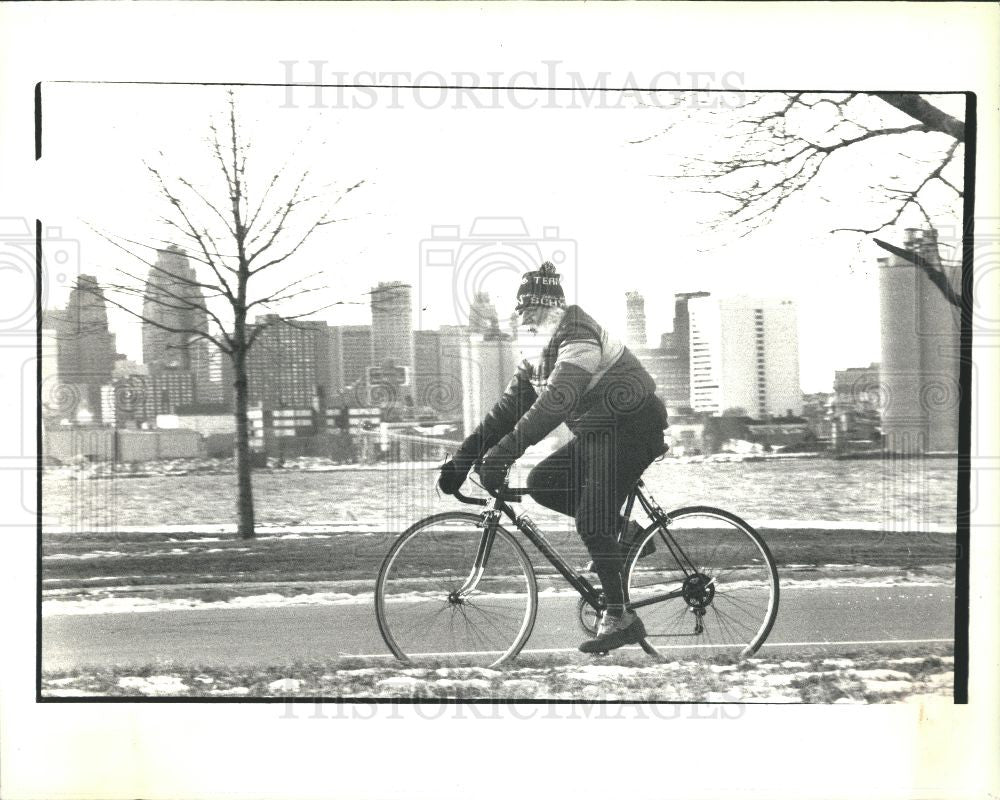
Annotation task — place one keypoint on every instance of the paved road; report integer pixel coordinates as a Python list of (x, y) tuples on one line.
[(834, 617)]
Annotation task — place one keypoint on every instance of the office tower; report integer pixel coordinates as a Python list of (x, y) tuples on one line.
[(486, 368), (920, 347), (744, 356), (669, 369), (680, 342), (350, 357), (174, 300), (635, 320), (84, 348), (289, 363), (392, 324), (439, 370), (212, 371)]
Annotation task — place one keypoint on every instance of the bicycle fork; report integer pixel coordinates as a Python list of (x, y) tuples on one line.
[(489, 525)]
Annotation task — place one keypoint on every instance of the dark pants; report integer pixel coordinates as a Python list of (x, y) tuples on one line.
[(589, 478)]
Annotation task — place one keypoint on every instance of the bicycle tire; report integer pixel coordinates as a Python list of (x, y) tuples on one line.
[(417, 611), (730, 592)]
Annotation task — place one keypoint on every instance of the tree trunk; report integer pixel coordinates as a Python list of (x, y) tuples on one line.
[(244, 496)]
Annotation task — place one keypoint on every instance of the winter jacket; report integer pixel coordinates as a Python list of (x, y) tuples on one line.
[(583, 378)]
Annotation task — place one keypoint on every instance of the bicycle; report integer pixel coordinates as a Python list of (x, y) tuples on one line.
[(459, 584)]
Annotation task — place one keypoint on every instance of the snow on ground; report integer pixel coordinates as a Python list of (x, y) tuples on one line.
[(815, 680), (125, 604)]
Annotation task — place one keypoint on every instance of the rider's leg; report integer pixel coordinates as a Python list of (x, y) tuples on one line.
[(553, 482), (610, 462)]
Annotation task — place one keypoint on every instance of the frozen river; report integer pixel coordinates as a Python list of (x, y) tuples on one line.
[(896, 495)]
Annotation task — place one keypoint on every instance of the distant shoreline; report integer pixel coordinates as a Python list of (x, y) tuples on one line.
[(184, 467)]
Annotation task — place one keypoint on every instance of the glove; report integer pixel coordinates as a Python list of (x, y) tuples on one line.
[(493, 469), (453, 474)]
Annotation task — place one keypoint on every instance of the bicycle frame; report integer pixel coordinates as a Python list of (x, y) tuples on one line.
[(500, 504)]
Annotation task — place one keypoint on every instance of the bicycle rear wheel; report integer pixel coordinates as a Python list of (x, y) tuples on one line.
[(429, 605), (711, 584)]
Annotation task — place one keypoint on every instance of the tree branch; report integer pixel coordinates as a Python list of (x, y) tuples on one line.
[(913, 105)]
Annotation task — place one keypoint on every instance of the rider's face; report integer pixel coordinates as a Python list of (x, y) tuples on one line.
[(531, 317)]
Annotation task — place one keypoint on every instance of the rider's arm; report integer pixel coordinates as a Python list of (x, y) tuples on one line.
[(519, 396), (576, 363)]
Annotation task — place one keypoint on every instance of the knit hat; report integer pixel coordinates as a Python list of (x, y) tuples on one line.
[(540, 288)]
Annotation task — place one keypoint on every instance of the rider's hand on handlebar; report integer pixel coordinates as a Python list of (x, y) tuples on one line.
[(493, 468), (453, 474)]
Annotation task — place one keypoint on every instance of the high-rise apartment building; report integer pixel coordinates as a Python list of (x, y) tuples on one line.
[(175, 301), (288, 365), (350, 356), (635, 320), (920, 353), (392, 324), (744, 354)]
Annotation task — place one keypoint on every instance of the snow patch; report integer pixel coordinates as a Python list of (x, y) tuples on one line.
[(285, 685), (400, 682), (154, 684)]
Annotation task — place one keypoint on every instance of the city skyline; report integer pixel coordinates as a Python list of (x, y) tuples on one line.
[(379, 347), (649, 239)]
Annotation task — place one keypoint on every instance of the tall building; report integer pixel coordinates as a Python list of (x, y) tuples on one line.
[(680, 343), (439, 370), (288, 365), (487, 365), (212, 372), (669, 369), (635, 320), (174, 300), (392, 324), (84, 348), (483, 316), (350, 356), (920, 354), (744, 355)]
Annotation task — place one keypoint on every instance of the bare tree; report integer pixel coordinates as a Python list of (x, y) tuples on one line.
[(235, 240), (777, 147)]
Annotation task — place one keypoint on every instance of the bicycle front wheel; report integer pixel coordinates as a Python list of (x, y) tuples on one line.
[(711, 584), (431, 601)]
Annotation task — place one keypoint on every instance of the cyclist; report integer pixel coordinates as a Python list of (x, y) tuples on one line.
[(595, 385)]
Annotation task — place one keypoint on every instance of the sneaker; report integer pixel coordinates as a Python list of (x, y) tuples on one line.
[(633, 530), (614, 632)]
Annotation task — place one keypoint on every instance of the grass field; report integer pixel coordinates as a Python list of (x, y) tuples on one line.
[(220, 566)]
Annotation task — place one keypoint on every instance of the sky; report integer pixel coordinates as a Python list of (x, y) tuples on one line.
[(447, 187)]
